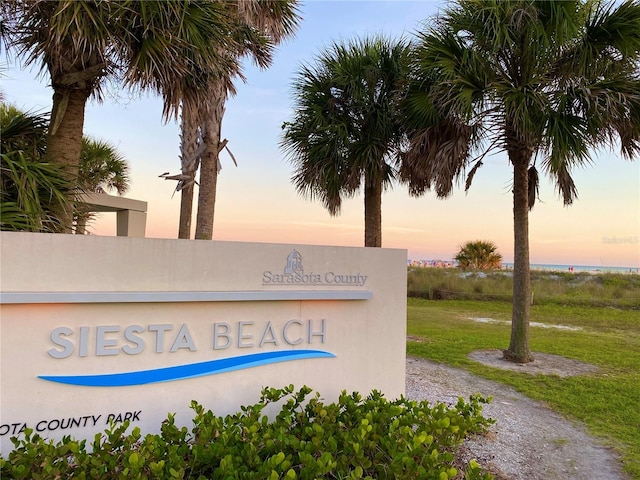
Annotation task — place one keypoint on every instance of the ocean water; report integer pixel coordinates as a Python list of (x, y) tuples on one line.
[(537, 266), (577, 268)]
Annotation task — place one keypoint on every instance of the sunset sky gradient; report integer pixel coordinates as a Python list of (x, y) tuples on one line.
[(256, 201)]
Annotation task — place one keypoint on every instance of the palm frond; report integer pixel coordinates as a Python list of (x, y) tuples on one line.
[(565, 184), (533, 182), (277, 19), (437, 158), (471, 174), (37, 193), (25, 131), (102, 167)]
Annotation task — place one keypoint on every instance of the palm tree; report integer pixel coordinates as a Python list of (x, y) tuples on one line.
[(547, 82), (255, 27), (258, 27), (80, 44), (202, 110), (33, 193), (187, 93), (102, 168), (23, 131), (346, 132), (478, 255)]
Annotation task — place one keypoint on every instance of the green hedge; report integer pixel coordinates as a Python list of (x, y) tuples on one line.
[(307, 439)]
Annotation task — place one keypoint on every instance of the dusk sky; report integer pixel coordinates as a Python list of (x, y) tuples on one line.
[(256, 201)]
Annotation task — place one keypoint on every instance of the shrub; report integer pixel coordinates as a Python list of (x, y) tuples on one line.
[(307, 439), (478, 255)]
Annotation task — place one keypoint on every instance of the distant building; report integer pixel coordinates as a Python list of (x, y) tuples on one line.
[(431, 263)]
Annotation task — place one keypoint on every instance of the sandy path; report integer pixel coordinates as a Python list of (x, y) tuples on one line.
[(528, 441)]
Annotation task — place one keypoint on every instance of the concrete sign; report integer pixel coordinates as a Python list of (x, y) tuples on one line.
[(96, 330)]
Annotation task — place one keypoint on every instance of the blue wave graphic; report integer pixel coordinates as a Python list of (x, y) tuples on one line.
[(181, 372)]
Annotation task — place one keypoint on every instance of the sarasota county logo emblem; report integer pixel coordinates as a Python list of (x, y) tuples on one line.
[(294, 263), (294, 274)]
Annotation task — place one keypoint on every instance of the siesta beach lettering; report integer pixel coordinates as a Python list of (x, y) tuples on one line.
[(108, 340)]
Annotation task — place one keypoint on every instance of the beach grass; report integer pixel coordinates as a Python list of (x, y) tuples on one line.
[(606, 402), (559, 288)]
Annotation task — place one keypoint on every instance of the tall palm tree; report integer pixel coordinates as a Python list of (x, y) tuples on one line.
[(478, 255), (80, 44), (102, 168), (255, 27), (202, 110), (546, 81), (346, 132), (258, 27)]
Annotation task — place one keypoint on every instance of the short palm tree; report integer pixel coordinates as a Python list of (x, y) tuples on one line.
[(478, 255), (34, 194), (346, 132), (547, 82), (102, 169)]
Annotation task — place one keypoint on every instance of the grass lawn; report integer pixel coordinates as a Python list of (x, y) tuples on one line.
[(607, 402)]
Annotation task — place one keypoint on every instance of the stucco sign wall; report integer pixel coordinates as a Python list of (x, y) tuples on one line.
[(101, 329)]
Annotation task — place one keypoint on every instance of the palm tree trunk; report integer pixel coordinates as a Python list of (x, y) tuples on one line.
[(210, 158), (188, 148), (186, 212), (64, 138), (81, 222), (373, 212), (518, 350)]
